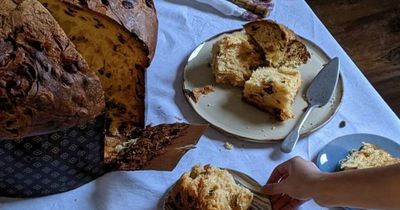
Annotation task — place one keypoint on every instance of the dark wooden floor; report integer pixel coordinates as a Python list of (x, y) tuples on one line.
[(369, 31)]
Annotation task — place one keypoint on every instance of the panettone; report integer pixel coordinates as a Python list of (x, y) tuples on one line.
[(115, 54), (74, 73), (45, 84), (209, 188), (234, 57), (281, 46), (368, 156), (273, 90)]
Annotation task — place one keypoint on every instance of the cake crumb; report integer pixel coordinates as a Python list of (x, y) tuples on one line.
[(198, 92), (228, 146), (273, 128)]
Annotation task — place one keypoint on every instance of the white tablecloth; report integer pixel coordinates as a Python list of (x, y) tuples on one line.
[(183, 24)]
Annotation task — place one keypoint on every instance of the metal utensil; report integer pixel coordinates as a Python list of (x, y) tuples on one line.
[(318, 94)]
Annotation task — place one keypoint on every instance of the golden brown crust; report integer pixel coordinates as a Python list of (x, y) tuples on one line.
[(138, 17), (291, 46), (45, 85)]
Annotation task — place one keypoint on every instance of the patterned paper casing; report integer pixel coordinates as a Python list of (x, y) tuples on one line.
[(52, 163)]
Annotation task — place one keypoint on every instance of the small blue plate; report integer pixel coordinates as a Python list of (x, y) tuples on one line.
[(328, 158)]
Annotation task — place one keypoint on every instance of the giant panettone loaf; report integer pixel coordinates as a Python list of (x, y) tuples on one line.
[(45, 84), (113, 51)]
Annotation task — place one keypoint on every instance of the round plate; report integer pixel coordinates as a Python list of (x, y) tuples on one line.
[(225, 110), (259, 201), (328, 158)]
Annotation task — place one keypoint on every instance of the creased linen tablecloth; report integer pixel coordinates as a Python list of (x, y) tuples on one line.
[(183, 24)]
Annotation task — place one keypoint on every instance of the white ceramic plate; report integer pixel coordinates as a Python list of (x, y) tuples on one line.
[(225, 110), (260, 202)]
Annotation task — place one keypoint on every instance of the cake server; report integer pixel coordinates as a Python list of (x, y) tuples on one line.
[(318, 94)]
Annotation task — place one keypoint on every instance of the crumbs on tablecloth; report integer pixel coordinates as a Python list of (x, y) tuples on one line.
[(228, 146), (342, 124)]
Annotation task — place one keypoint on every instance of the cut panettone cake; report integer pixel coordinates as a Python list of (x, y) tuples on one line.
[(263, 58), (273, 90)]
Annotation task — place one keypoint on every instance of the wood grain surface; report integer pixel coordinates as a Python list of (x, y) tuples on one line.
[(369, 31)]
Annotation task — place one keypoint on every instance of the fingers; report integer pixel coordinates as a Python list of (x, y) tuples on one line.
[(279, 172), (272, 189), (281, 202)]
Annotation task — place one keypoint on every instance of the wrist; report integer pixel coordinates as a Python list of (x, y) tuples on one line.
[(318, 185)]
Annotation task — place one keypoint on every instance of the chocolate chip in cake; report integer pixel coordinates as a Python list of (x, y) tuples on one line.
[(98, 23), (83, 2), (66, 79), (268, 89), (149, 3), (36, 44), (105, 2), (127, 4), (108, 74), (121, 39), (70, 68), (69, 13), (101, 70)]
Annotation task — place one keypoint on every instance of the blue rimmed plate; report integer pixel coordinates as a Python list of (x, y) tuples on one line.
[(329, 157)]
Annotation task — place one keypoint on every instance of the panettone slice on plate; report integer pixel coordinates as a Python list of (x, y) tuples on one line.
[(273, 90), (281, 46), (368, 156), (45, 84), (234, 58)]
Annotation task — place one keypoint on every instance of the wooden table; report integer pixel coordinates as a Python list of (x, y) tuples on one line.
[(369, 31)]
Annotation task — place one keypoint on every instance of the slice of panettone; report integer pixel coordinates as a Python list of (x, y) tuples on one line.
[(209, 188), (234, 58), (273, 90), (368, 156), (282, 47)]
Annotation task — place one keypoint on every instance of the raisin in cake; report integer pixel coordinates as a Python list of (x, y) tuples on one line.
[(273, 90), (233, 59), (45, 84), (281, 46), (209, 188), (368, 156)]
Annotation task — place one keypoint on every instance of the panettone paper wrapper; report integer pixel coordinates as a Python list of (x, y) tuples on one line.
[(64, 160)]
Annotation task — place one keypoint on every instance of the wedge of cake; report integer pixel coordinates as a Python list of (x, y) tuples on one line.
[(281, 46), (273, 90), (233, 59), (209, 188), (368, 156)]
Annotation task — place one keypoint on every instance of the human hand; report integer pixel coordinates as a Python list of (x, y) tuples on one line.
[(290, 184)]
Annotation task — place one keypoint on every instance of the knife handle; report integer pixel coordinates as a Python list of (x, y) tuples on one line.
[(291, 139)]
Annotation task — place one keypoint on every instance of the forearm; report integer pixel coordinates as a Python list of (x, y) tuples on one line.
[(368, 188)]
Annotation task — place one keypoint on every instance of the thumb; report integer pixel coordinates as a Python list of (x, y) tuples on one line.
[(272, 189)]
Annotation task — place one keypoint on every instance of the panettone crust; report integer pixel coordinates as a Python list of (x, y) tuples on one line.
[(45, 84)]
